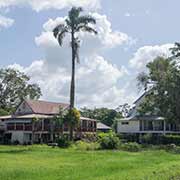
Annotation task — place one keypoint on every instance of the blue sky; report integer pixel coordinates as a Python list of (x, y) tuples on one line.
[(150, 25)]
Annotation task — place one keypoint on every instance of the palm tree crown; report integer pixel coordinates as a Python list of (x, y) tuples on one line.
[(74, 24)]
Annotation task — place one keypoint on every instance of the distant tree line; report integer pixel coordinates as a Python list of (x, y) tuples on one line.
[(104, 115)]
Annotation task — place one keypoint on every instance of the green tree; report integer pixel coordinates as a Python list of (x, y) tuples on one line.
[(14, 87), (33, 122), (104, 115), (74, 23), (73, 119), (58, 121), (3, 112), (163, 97)]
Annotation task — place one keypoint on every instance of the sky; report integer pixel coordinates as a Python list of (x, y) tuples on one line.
[(130, 34)]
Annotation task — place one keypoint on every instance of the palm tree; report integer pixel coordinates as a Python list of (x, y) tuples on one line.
[(74, 24)]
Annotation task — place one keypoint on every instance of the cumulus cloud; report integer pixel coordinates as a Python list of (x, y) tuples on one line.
[(96, 82), (106, 38), (148, 53), (39, 5), (96, 77), (5, 22)]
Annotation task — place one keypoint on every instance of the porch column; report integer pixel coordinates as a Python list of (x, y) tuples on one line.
[(142, 125), (42, 124), (153, 125), (164, 129)]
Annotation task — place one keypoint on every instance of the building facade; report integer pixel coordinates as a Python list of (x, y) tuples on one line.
[(137, 124), (34, 121)]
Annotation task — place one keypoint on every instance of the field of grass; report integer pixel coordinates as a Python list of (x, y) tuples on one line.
[(46, 163)]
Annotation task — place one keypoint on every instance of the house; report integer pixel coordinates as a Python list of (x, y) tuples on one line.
[(137, 124), (34, 118), (102, 127)]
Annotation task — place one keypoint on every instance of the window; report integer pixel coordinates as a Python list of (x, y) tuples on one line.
[(124, 123)]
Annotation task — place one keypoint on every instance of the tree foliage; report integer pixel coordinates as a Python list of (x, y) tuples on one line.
[(105, 115), (72, 118), (163, 96), (14, 87)]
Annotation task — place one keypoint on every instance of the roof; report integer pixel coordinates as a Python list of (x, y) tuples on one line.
[(44, 107), (137, 118), (28, 116), (134, 114), (87, 119), (38, 116), (102, 126)]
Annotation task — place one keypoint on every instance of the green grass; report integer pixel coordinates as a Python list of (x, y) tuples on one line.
[(46, 163)]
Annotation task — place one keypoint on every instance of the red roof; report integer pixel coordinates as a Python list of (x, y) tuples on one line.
[(44, 107)]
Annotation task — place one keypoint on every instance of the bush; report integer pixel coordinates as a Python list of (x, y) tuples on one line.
[(108, 141), (147, 139), (131, 146), (63, 142), (129, 137), (16, 142), (172, 148), (86, 146), (90, 137), (171, 139)]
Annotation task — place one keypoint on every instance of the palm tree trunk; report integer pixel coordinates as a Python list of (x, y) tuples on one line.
[(72, 90)]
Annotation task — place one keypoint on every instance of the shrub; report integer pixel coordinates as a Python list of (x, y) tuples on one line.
[(63, 142), (131, 146), (90, 137), (16, 142), (147, 139), (172, 148), (171, 139), (86, 146), (129, 137), (108, 141)]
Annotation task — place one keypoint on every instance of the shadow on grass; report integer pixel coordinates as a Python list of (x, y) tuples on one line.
[(15, 150)]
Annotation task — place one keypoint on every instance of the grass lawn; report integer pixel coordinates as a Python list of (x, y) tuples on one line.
[(46, 163)]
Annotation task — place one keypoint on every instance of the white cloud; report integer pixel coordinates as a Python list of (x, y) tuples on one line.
[(39, 5), (127, 14), (96, 82), (148, 53), (5, 22), (96, 78), (106, 38)]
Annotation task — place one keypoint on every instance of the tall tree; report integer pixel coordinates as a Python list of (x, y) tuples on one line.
[(74, 23), (14, 87), (163, 98)]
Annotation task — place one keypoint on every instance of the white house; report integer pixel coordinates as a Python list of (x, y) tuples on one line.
[(134, 123)]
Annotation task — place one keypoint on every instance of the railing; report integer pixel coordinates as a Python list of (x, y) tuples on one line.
[(28, 127)]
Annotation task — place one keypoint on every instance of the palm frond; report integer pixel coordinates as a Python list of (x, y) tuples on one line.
[(57, 29), (61, 36), (74, 13), (86, 28), (59, 33), (86, 19)]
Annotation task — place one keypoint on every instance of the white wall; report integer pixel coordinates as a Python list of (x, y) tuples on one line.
[(133, 126)]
